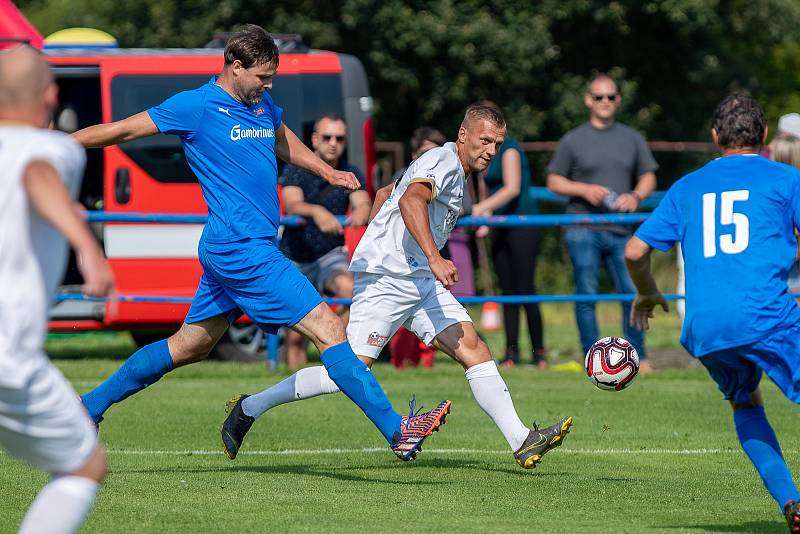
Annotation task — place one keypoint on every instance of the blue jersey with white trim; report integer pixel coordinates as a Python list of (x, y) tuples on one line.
[(230, 146), (735, 219)]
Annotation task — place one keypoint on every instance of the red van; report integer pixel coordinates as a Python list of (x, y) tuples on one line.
[(151, 175)]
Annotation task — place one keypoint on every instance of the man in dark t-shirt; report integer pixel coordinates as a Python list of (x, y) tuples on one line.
[(317, 248), (602, 166)]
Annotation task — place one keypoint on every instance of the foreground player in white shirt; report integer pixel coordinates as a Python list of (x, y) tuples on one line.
[(401, 279), (41, 418)]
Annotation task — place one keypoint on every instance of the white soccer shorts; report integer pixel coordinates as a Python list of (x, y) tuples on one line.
[(42, 421), (382, 304)]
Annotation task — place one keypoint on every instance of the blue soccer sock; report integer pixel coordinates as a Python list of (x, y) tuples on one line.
[(357, 382), (145, 366), (759, 442)]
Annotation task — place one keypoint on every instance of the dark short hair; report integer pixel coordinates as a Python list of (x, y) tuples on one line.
[(426, 133), (252, 45), (484, 112), (335, 117), (739, 121)]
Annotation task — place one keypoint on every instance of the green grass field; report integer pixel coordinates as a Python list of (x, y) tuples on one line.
[(660, 457)]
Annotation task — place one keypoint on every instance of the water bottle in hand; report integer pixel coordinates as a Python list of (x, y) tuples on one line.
[(610, 199)]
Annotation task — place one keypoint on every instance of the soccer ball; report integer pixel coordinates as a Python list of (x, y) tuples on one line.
[(612, 363)]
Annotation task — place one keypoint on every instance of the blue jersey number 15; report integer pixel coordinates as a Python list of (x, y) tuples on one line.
[(728, 243)]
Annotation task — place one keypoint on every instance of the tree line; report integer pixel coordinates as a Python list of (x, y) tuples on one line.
[(426, 60)]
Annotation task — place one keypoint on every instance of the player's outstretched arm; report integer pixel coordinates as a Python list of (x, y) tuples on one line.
[(637, 258), (414, 210), (51, 200), (113, 133), (292, 150)]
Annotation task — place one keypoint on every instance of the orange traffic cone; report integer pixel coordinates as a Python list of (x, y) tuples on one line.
[(490, 316)]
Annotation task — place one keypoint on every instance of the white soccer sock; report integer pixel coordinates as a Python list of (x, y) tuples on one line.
[(61, 506), (491, 394), (304, 384)]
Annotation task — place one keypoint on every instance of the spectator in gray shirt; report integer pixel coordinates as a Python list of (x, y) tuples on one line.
[(602, 166)]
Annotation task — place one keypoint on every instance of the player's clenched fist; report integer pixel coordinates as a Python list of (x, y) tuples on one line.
[(344, 179), (97, 275), (444, 270)]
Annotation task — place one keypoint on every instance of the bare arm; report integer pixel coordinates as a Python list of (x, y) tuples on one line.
[(360, 208), (512, 180), (561, 185), (294, 204), (51, 200), (648, 296), (414, 210), (644, 187), (384, 192), (113, 133), (292, 150)]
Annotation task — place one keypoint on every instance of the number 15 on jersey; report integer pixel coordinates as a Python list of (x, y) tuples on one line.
[(728, 243)]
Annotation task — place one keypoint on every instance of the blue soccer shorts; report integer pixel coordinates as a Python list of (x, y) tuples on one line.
[(737, 371), (251, 276)]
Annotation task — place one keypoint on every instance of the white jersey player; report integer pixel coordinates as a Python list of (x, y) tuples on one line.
[(41, 418), (400, 278)]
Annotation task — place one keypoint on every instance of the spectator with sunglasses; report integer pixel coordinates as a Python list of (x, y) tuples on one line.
[(317, 248), (602, 166)]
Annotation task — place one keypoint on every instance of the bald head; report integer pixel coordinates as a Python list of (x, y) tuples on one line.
[(25, 84)]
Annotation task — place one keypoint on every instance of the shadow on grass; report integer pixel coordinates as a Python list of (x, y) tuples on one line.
[(760, 527), (336, 473), (340, 473), (457, 463)]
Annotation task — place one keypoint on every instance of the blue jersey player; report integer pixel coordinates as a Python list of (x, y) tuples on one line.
[(232, 132), (735, 219)]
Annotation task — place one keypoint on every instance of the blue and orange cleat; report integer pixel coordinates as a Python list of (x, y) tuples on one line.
[(414, 428)]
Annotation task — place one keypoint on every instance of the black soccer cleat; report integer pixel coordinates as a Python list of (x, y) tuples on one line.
[(539, 442), (792, 512), (235, 426)]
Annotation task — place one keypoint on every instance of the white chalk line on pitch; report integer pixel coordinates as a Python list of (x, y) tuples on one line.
[(311, 452)]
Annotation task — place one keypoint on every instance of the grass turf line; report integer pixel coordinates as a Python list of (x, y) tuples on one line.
[(612, 491)]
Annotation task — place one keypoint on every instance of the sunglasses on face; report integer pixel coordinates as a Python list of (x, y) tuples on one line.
[(327, 138), (610, 98)]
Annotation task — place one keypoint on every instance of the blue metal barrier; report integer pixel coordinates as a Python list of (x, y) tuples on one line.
[(273, 341), (501, 221), (545, 195), (499, 299), (540, 193)]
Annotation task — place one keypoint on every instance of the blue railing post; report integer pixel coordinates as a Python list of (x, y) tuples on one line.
[(273, 351)]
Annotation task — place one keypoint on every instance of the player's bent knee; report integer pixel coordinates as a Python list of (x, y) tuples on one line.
[(473, 354), (194, 342), (322, 327), (95, 467)]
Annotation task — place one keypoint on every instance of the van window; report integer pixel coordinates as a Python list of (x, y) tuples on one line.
[(160, 156), (304, 97)]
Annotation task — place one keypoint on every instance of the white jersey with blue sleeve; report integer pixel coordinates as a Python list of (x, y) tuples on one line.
[(735, 219)]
